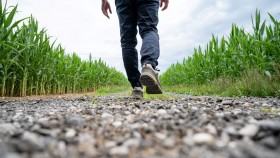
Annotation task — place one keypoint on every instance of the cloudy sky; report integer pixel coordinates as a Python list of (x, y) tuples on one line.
[(80, 26)]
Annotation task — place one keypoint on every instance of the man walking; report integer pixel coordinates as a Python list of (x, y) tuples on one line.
[(144, 14)]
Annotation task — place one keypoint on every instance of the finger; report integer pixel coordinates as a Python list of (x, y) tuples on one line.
[(106, 14), (110, 10), (165, 5), (161, 3)]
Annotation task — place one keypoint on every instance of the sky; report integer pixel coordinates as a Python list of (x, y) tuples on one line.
[(80, 27)]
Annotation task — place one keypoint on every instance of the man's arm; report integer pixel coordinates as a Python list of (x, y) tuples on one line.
[(105, 7), (165, 2)]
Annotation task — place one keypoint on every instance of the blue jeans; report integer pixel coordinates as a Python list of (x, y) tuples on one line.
[(144, 14)]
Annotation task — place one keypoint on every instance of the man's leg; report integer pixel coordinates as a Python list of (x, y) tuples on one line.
[(128, 30), (147, 23)]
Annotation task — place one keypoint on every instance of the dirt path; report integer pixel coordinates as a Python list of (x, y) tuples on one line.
[(117, 126)]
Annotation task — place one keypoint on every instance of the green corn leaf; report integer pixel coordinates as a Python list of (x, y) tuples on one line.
[(2, 15), (10, 17), (11, 28), (262, 28), (273, 19), (1, 11)]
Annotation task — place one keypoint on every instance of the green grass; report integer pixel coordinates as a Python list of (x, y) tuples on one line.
[(126, 91), (111, 90), (251, 83)]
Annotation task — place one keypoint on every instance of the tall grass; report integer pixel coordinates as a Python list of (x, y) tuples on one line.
[(30, 64), (232, 56)]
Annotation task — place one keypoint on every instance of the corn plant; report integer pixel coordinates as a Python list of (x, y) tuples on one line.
[(30, 64), (230, 57)]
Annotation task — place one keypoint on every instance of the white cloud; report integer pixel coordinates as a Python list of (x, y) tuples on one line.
[(81, 27)]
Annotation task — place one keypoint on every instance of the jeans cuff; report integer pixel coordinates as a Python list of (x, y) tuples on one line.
[(136, 84)]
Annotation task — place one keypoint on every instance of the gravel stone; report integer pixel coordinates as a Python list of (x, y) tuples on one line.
[(132, 142), (249, 130), (160, 136), (269, 125), (76, 121), (7, 129), (117, 123), (227, 102), (70, 133), (169, 142), (211, 129), (203, 138), (248, 104), (106, 115), (237, 111), (110, 144), (270, 142), (29, 142), (161, 112), (266, 105), (120, 151)]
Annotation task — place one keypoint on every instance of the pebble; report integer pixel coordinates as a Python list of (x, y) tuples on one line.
[(160, 136), (44, 122), (248, 104), (237, 111), (119, 150), (70, 133), (106, 115), (169, 142), (266, 105), (269, 125), (249, 130), (29, 142), (161, 111), (110, 144), (203, 138), (270, 142), (227, 102), (117, 123), (135, 142), (127, 113), (194, 108), (211, 129), (7, 129), (76, 121), (232, 131), (130, 118)]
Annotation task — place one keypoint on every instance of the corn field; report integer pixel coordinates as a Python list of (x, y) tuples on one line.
[(231, 56), (30, 64)]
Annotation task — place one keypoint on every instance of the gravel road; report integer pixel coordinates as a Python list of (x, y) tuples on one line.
[(117, 126)]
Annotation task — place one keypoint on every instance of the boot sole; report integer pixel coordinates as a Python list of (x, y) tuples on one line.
[(151, 83)]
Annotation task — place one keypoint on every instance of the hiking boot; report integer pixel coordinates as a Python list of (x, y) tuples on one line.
[(137, 93), (149, 78)]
